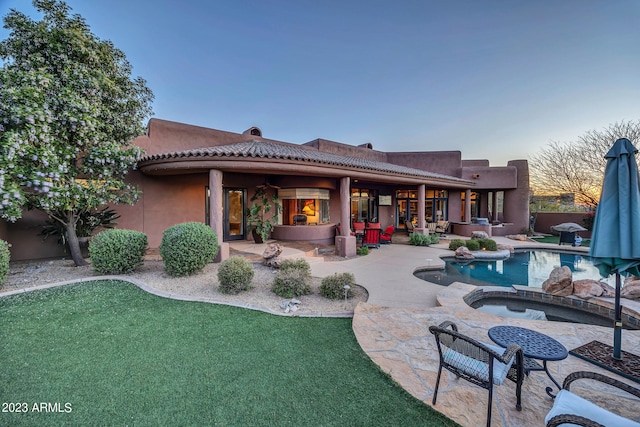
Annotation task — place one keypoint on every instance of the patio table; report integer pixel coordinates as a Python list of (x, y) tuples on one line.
[(535, 345)]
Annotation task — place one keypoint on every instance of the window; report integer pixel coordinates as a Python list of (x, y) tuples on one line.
[(364, 205), (310, 202)]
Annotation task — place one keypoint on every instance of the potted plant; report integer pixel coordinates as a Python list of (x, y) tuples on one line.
[(259, 217)]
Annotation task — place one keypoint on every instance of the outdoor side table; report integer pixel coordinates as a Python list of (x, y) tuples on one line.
[(534, 346)]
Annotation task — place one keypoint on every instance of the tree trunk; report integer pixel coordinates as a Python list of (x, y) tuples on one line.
[(72, 240)]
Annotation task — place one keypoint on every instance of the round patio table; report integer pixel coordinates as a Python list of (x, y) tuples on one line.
[(535, 345)]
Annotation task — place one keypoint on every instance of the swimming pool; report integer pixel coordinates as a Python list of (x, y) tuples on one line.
[(527, 268)]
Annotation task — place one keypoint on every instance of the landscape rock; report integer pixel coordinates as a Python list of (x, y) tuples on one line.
[(272, 250), (273, 262), (503, 247), (290, 306), (463, 253), (559, 282), (631, 290), (521, 237), (587, 288), (479, 235), (608, 290)]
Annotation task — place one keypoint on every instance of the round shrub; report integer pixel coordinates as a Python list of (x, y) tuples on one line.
[(455, 244), (188, 247), (291, 283), (473, 245), (364, 250), (488, 244), (300, 264), (332, 287), (5, 255), (234, 275), (117, 251)]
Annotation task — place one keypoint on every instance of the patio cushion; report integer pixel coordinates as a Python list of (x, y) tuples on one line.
[(478, 368), (568, 403)]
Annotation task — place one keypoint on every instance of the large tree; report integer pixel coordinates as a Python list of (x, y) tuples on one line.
[(69, 109), (577, 167)]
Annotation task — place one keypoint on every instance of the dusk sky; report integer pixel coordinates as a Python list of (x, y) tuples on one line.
[(496, 80)]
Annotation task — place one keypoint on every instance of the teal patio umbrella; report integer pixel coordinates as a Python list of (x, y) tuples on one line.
[(615, 240)]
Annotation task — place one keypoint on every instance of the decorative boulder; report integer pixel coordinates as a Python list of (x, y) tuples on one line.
[(559, 282), (522, 237), (631, 290), (608, 291), (463, 253), (503, 247), (587, 288), (479, 235), (271, 255)]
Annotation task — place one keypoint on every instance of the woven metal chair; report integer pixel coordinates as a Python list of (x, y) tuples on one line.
[(479, 363), (571, 409)]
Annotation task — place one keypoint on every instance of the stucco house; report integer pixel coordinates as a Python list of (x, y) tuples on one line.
[(191, 173)]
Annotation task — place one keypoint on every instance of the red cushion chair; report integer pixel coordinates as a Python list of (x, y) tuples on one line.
[(358, 228), (371, 238), (385, 237)]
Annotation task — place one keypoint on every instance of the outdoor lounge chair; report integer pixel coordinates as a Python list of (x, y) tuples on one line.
[(442, 227), (371, 238), (409, 226), (479, 363), (385, 237), (572, 409)]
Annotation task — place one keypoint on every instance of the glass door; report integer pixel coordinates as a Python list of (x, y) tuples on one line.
[(234, 207)]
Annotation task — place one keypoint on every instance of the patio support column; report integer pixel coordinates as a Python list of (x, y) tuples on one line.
[(467, 205), (216, 212), (345, 242), (421, 228), (495, 205)]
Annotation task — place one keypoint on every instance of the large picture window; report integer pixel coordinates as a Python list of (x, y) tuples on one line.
[(304, 206)]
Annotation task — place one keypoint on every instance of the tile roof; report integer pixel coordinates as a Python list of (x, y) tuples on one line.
[(272, 150)]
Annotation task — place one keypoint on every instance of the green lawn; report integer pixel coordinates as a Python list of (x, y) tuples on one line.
[(115, 355)]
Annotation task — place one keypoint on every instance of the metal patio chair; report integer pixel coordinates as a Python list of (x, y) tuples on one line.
[(479, 363)]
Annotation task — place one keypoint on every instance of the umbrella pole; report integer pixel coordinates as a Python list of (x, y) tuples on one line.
[(617, 329)]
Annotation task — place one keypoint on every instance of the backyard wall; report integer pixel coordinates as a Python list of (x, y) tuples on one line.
[(545, 220)]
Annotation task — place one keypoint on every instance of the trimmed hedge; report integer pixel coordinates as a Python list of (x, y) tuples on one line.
[(473, 245), (234, 275), (186, 248), (116, 251), (332, 287), (455, 244), (5, 256)]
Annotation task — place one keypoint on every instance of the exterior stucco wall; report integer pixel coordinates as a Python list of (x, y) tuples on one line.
[(444, 162), (516, 202), (490, 178), (341, 149)]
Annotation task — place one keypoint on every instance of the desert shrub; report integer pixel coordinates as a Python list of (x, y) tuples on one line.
[(417, 239), (362, 251), (296, 264), (332, 287), (116, 251), (434, 239), (5, 255), (488, 244), (455, 244), (188, 247), (234, 275), (291, 283), (473, 244)]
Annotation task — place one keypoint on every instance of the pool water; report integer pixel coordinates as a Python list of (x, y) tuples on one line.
[(526, 268)]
